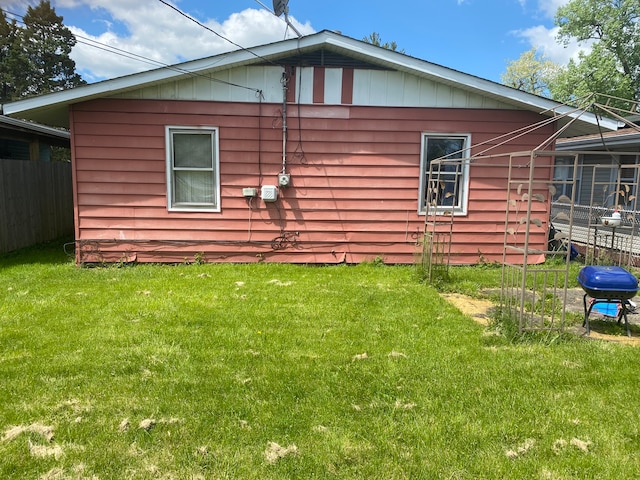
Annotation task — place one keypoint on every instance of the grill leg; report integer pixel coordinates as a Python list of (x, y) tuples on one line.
[(586, 312), (623, 313)]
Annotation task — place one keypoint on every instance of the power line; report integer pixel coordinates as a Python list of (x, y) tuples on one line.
[(141, 58), (215, 33), (134, 56)]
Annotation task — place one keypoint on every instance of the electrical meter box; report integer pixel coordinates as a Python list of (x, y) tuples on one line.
[(269, 193), (284, 179)]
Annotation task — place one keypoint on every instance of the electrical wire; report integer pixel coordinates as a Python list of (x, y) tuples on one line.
[(197, 22), (141, 58), (299, 150), (260, 139), (134, 56)]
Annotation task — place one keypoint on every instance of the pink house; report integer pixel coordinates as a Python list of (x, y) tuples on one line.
[(311, 150)]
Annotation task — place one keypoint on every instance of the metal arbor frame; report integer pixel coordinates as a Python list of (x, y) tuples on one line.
[(532, 295)]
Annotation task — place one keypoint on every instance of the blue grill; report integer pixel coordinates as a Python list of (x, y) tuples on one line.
[(607, 285)]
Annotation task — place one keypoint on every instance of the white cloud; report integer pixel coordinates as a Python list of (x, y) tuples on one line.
[(550, 7), (544, 39), (158, 32)]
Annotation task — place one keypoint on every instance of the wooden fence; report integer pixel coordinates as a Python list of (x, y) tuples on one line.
[(36, 203)]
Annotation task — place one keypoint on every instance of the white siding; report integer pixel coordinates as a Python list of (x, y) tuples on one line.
[(304, 87), (370, 88), (333, 86)]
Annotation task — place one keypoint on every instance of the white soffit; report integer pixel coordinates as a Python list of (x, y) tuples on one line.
[(53, 108)]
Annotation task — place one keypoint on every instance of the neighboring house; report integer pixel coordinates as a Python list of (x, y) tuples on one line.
[(36, 200), (310, 150), (616, 154), (21, 140), (605, 167)]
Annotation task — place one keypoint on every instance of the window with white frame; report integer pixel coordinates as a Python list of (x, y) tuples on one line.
[(445, 173), (193, 181)]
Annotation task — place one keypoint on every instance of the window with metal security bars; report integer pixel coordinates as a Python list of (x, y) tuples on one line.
[(193, 182), (445, 174), (563, 180), (627, 191)]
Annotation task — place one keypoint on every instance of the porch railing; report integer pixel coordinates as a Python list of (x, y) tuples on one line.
[(586, 228)]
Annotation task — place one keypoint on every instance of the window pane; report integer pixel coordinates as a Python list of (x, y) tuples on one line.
[(563, 178), (446, 181), (193, 187), (439, 147), (194, 150)]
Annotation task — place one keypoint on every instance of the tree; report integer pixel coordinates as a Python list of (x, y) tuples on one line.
[(614, 28), (532, 72), (13, 62), (596, 72), (47, 44), (34, 59), (612, 66), (375, 39)]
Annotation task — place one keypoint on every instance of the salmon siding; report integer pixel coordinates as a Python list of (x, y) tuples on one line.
[(165, 161), (355, 182)]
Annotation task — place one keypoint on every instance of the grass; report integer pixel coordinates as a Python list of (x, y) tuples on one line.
[(196, 371)]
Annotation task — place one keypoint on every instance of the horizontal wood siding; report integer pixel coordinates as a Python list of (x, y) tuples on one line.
[(354, 182)]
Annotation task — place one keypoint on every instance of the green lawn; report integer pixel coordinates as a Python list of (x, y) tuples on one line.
[(198, 371)]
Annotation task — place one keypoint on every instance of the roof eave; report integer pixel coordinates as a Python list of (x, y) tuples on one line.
[(581, 143), (53, 106), (479, 85), (34, 128)]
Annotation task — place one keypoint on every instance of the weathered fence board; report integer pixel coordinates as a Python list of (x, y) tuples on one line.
[(36, 202)]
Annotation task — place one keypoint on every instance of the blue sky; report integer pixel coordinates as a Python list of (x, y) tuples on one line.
[(478, 37)]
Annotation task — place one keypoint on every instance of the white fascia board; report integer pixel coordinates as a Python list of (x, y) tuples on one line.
[(348, 46), (114, 86), (466, 81), (134, 81), (34, 127), (93, 90)]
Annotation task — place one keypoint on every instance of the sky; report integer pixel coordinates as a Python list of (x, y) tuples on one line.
[(478, 37)]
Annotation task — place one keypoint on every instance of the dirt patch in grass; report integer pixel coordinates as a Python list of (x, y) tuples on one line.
[(480, 310), (44, 451), (521, 449), (477, 308), (13, 432), (275, 452)]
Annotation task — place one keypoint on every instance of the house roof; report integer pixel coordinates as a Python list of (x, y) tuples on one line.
[(624, 139), (324, 48), (23, 129)]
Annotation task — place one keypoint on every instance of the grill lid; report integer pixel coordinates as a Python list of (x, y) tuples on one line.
[(607, 279)]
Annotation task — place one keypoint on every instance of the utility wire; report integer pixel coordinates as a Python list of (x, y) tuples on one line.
[(141, 58), (134, 56), (216, 33)]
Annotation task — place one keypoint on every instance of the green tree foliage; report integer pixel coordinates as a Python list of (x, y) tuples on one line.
[(532, 72), (611, 28), (34, 59), (13, 62), (375, 39), (596, 72), (48, 44), (613, 65)]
